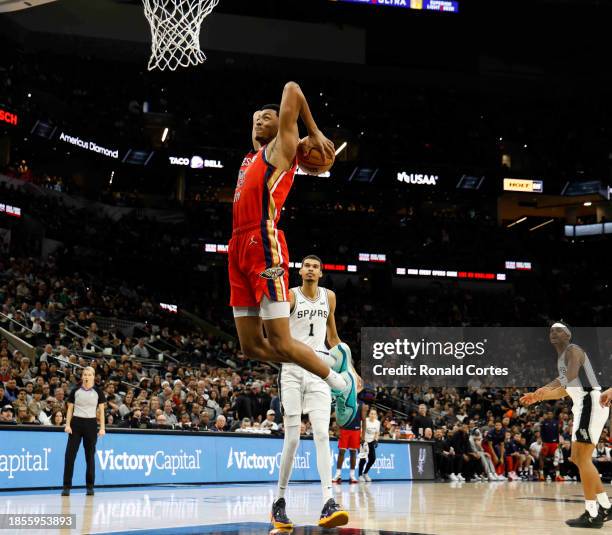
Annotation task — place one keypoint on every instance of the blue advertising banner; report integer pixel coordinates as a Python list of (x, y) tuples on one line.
[(36, 459)]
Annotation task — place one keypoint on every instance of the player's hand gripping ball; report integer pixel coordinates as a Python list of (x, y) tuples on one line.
[(315, 154)]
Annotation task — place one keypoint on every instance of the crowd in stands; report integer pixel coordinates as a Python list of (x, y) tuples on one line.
[(173, 377)]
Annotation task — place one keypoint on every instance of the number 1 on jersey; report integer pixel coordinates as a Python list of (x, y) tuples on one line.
[(311, 333)]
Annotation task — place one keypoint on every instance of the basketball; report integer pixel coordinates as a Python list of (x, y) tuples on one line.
[(310, 160)]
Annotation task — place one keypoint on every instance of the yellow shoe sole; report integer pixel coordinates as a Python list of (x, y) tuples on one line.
[(280, 525), (339, 518)]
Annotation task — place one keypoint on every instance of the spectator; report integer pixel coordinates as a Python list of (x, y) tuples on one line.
[(10, 390), (170, 417), (421, 421), (3, 399), (38, 312), (58, 418), (494, 446), (549, 430), (140, 351), (242, 404), (24, 416), (485, 458), (37, 405), (161, 421), (7, 415), (245, 426), (220, 424), (270, 422), (260, 401)]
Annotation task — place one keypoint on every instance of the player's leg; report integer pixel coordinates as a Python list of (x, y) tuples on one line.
[(591, 484), (363, 459), (280, 339), (250, 333), (332, 515), (353, 453), (291, 400), (340, 461), (371, 460), (589, 419)]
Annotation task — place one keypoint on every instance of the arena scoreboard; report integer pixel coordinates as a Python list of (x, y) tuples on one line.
[(448, 6)]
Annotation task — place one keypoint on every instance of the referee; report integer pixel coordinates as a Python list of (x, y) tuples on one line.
[(84, 403)]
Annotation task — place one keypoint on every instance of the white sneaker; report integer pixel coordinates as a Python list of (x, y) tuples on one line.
[(362, 479), (367, 478), (502, 478), (453, 477), (477, 478), (491, 476), (460, 477)]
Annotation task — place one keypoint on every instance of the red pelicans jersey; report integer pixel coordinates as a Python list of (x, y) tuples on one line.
[(258, 255)]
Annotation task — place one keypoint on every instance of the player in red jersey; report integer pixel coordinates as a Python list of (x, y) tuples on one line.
[(258, 255)]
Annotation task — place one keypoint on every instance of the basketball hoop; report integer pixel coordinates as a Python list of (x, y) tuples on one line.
[(175, 32)]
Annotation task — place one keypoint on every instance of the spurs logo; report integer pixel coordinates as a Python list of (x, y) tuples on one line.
[(421, 461), (272, 273)]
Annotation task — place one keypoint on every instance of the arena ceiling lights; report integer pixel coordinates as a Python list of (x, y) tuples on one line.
[(442, 273), (446, 6), (520, 266), (7, 209)]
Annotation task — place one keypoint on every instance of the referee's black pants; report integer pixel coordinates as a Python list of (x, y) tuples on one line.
[(86, 429), (371, 460)]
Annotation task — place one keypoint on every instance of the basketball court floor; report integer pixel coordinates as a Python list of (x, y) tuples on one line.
[(375, 508)]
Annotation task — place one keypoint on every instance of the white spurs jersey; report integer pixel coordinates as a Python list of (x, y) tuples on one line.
[(586, 379), (308, 319)]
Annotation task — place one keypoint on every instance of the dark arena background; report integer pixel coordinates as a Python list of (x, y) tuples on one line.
[(471, 188)]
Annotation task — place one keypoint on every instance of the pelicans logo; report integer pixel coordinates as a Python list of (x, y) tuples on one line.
[(272, 273)]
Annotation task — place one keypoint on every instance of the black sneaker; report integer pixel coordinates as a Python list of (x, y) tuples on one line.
[(332, 515), (66, 491), (585, 520), (278, 517), (90, 491), (605, 514)]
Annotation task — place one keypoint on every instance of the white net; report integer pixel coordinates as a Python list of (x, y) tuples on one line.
[(175, 32)]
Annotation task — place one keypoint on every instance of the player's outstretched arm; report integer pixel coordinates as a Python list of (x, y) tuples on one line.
[(281, 152)]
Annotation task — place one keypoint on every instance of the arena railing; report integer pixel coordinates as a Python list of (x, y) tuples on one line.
[(16, 343), (79, 367), (101, 350)]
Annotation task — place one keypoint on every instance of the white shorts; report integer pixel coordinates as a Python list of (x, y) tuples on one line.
[(589, 416), (267, 310), (302, 392)]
